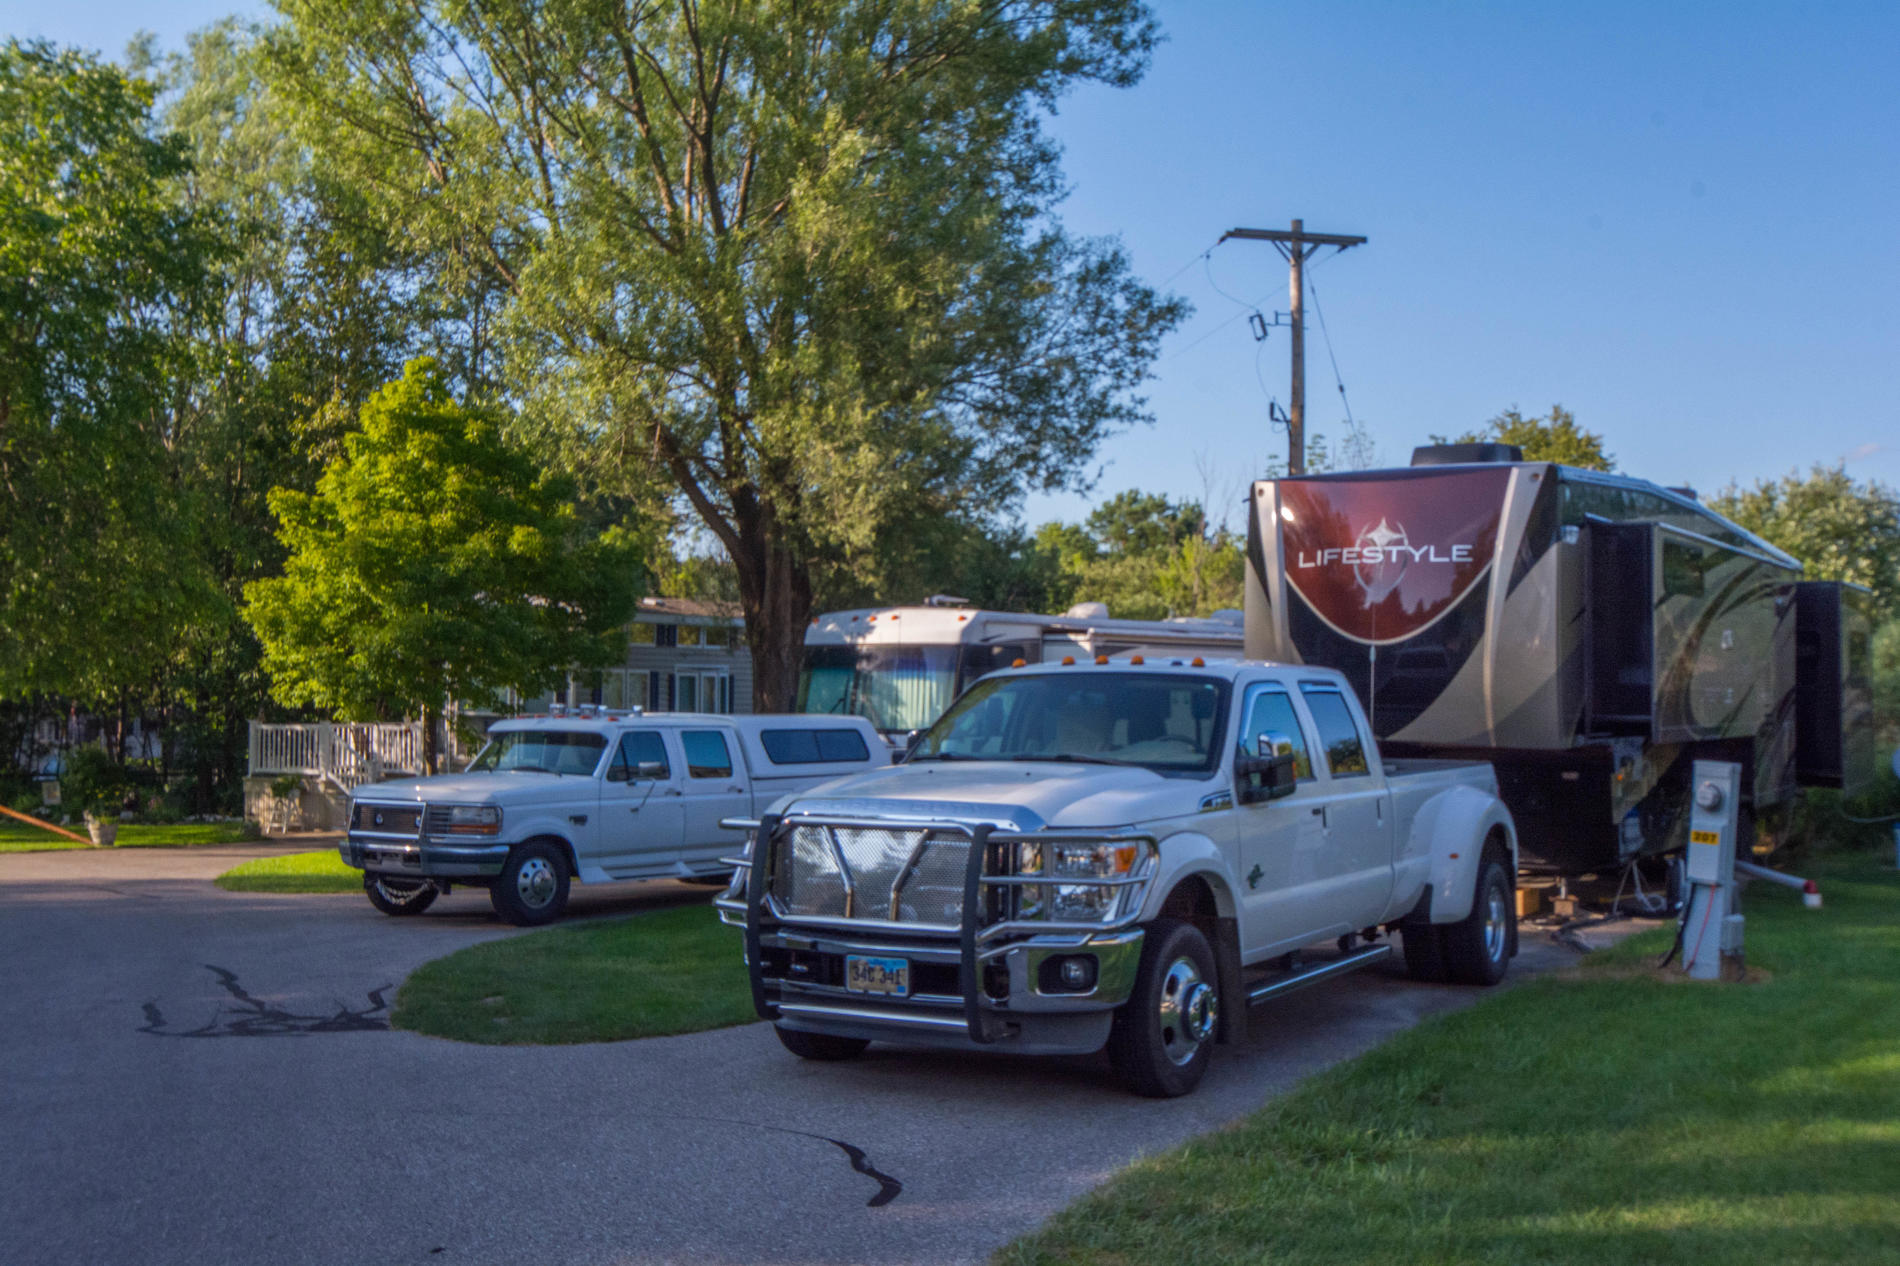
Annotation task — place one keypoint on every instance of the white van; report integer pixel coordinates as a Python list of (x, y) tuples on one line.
[(591, 798)]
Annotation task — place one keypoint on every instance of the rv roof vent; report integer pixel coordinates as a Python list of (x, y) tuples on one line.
[(945, 600), (1463, 454), (1088, 611)]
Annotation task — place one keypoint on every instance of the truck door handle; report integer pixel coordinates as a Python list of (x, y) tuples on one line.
[(735, 788), (1320, 813)]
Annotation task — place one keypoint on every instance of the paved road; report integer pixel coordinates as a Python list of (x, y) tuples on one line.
[(204, 1077)]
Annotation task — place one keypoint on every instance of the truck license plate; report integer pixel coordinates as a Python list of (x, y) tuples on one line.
[(877, 975)]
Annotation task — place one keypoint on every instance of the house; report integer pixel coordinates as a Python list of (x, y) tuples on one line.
[(683, 655)]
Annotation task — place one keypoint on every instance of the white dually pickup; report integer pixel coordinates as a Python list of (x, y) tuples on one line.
[(594, 799), (1118, 854)]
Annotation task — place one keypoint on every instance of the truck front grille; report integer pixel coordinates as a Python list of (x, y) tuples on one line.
[(899, 876), (386, 819)]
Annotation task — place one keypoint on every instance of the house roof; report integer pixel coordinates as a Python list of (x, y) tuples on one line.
[(698, 610)]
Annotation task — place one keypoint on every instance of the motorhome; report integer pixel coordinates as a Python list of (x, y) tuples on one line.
[(1590, 634), (901, 666)]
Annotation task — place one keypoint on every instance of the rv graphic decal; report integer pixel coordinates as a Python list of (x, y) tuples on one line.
[(1379, 560)]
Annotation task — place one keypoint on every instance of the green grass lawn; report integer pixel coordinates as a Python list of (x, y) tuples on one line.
[(18, 837), (321, 871), (1607, 1114), (671, 971)]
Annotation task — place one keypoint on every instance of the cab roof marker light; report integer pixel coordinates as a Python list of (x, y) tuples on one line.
[(1101, 659), (1017, 663), (1068, 660), (1136, 660), (1197, 662)]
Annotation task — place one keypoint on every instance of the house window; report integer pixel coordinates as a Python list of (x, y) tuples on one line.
[(666, 635), (640, 633), (690, 634)]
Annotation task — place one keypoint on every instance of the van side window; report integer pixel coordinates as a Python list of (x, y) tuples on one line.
[(637, 746), (813, 747), (1271, 712), (1345, 750), (707, 755)]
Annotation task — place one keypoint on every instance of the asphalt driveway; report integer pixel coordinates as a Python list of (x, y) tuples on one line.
[(197, 1076)]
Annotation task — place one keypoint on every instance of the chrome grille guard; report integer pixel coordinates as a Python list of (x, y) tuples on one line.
[(759, 910)]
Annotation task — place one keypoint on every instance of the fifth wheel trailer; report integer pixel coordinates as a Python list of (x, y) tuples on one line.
[(1591, 635)]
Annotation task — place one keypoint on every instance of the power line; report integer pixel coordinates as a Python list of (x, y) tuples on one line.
[(1192, 260), (1337, 380)]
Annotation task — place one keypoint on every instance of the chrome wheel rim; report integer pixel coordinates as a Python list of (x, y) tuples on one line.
[(1496, 923), (1188, 1011), (535, 882)]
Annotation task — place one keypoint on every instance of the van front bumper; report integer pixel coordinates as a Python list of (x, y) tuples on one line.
[(427, 858)]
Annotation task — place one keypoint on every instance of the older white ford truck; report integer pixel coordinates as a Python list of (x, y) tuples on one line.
[(1118, 854), (591, 798)]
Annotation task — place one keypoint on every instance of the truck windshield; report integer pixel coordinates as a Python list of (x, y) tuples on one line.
[(1164, 723), (899, 688), (540, 752)]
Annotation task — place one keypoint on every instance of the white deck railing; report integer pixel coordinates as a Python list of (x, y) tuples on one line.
[(345, 753)]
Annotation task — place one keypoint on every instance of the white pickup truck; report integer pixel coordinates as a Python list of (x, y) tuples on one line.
[(594, 798), (1118, 854)]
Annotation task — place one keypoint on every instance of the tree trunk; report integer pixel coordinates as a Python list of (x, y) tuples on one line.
[(775, 594), (429, 716)]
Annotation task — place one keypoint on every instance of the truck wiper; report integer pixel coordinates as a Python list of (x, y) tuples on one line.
[(944, 756), (533, 769), (1076, 758)]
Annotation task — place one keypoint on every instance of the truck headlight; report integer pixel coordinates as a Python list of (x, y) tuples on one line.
[(1078, 903), (469, 819)]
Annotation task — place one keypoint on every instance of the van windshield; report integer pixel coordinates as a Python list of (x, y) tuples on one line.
[(1164, 723), (540, 752)]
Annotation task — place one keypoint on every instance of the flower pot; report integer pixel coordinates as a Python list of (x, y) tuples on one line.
[(103, 830)]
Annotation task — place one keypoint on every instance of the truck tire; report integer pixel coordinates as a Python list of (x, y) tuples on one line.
[(1478, 947), (824, 1047), (1163, 1036), (398, 896), (532, 887)]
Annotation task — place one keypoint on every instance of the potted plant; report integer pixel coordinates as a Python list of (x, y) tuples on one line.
[(102, 822)]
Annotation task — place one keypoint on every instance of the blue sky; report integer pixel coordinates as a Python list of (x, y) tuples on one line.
[(1675, 219)]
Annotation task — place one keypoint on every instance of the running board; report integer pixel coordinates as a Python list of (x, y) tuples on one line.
[(1323, 971)]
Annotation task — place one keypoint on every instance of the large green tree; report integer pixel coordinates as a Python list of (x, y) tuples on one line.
[(794, 265), (436, 561), (1555, 437), (103, 268), (1839, 527), (1147, 557)]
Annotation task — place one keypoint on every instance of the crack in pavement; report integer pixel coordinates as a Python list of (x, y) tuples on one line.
[(254, 1018), (888, 1188)]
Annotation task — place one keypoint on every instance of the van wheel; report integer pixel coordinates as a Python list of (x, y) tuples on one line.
[(1163, 1037), (532, 887), (398, 896), (824, 1047), (1478, 947)]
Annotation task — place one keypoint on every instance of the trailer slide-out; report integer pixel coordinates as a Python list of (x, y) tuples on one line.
[(1589, 634)]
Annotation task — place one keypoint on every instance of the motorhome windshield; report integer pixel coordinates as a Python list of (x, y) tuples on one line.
[(898, 688), (540, 752), (1168, 724)]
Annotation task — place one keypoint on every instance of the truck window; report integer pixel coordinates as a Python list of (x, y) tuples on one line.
[(1271, 712), (637, 746), (540, 752), (707, 755), (1345, 750), (813, 747)]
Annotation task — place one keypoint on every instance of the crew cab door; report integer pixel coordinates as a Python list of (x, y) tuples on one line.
[(1353, 809), (716, 787), (1281, 865), (642, 820)]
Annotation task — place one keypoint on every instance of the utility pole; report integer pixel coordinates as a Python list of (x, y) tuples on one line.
[(1296, 246)]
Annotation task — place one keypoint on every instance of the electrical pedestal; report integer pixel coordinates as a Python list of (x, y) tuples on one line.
[(1712, 920)]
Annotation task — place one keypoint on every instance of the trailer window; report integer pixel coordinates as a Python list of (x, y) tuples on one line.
[(1271, 712), (1338, 734)]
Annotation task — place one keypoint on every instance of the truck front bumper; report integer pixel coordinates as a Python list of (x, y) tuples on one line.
[(424, 858)]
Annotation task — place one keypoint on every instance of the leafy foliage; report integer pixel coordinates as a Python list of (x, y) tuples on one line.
[(795, 268), (1148, 557), (436, 560), (1838, 527), (1556, 437)]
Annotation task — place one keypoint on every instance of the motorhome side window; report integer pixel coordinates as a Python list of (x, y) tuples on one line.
[(707, 755), (1345, 750), (640, 746), (1271, 712)]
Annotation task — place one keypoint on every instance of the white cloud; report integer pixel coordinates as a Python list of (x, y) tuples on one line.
[(1862, 452)]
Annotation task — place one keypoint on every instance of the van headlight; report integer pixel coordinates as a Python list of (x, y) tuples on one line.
[(467, 819)]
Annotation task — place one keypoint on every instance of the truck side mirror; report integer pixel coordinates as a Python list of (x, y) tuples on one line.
[(650, 770), (1261, 778)]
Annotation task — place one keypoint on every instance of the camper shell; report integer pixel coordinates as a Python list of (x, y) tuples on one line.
[(1589, 634)]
